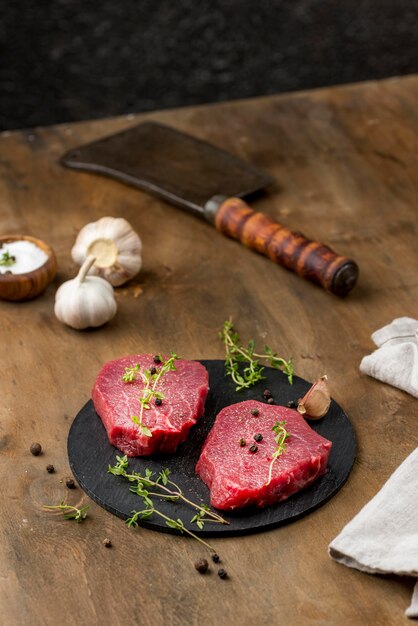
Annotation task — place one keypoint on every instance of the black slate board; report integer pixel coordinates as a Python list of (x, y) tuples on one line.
[(90, 453)]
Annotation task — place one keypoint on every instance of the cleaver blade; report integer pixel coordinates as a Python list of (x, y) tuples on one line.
[(181, 169), (197, 176)]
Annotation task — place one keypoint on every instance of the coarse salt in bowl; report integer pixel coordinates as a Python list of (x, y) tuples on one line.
[(27, 266)]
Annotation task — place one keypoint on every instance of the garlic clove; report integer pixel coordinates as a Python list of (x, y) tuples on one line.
[(116, 246), (316, 401)]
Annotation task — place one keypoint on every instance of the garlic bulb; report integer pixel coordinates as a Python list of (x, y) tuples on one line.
[(316, 401), (116, 247), (85, 301)]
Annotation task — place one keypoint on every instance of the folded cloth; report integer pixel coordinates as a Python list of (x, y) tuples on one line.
[(396, 360), (383, 537)]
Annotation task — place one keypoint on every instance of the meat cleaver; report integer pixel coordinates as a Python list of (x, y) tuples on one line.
[(210, 182)]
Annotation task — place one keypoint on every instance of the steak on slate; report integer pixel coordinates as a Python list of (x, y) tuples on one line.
[(237, 477), (184, 390)]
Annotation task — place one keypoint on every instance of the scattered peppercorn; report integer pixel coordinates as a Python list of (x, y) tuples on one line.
[(107, 543), (222, 573), (242, 442), (258, 437), (270, 401), (215, 558), (201, 565), (50, 469), (291, 404), (157, 359), (267, 393), (253, 448), (70, 483), (36, 449), (153, 370), (255, 412), (158, 401)]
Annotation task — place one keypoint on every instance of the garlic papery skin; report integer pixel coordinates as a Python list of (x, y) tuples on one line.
[(85, 301), (116, 247), (316, 401)]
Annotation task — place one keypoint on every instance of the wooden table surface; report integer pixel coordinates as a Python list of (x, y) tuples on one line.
[(346, 163)]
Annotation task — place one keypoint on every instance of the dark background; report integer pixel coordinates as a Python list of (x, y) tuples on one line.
[(72, 59)]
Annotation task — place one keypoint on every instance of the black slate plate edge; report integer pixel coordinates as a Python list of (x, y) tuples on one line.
[(221, 530)]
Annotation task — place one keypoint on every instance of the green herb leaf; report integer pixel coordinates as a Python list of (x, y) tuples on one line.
[(132, 521), (164, 474), (145, 430), (7, 260), (130, 373), (172, 523)]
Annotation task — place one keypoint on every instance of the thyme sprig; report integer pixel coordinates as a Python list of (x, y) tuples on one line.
[(150, 377), (281, 436), (69, 512), (7, 259), (178, 524), (161, 486), (237, 354)]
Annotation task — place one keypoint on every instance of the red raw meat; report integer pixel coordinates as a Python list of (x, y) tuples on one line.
[(184, 390), (237, 477)]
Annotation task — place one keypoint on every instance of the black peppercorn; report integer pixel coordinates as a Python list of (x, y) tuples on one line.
[(201, 565), (253, 448), (258, 437), (158, 401), (267, 393), (270, 401), (242, 442), (50, 469), (222, 573), (255, 412), (36, 449), (153, 370), (215, 558), (157, 359), (70, 483), (107, 543), (292, 404)]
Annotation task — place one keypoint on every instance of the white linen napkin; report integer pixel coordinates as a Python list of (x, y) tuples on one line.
[(383, 537), (396, 360)]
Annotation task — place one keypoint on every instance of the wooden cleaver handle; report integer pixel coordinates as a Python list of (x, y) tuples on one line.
[(309, 259)]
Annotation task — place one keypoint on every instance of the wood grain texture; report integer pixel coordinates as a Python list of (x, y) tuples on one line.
[(346, 162), (309, 259)]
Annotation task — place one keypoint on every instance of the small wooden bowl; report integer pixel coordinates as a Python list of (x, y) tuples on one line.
[(19, 287)]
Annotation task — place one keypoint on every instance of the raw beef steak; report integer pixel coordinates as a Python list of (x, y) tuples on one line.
[(116, 401), (238, 477)]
